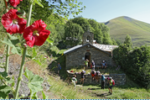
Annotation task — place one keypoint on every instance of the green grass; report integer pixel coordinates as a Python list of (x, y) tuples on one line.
[(139, 31)]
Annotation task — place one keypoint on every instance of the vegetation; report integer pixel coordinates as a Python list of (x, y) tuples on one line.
[(74, 29), (135, 62)]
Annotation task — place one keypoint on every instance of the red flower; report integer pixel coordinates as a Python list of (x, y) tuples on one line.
[(36, 33), (12, 23), (14, 2)]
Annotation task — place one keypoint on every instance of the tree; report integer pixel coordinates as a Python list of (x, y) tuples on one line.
[(114, 42), (128, 42), (93, 23), (82, 22), (98, 36), (61, 7), (73, 33)]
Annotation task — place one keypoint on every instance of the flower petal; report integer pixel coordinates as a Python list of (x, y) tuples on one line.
[(7, 22), (14, 3), (38, 25), (43, 35)]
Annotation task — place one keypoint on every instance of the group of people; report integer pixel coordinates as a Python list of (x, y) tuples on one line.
[(109, 80), (95, 75), (92, 64)]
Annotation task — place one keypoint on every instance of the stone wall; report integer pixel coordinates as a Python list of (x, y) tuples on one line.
[(75, 58), (120, 79)]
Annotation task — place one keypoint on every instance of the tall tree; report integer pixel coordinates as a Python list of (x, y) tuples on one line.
[(128, 42)]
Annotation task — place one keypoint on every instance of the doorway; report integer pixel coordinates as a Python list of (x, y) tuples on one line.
[(88, 56)]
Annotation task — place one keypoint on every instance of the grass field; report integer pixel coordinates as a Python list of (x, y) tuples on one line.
[(121, 26)]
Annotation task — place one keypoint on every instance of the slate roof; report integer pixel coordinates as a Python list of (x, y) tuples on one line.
[(102, 47)]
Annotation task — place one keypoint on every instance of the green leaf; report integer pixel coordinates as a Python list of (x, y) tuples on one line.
[(37, 61), (38, 2), (44, 96), (49, 41), (16, 50), (5, 89), (3, 75), (28, 74), (34, 53), (3, 95), (34, 96), (35, 81), (12, 43)]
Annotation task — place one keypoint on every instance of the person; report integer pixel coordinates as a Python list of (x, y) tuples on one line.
[(93, 65), (82, 76), (104, 64), (102, 81), (86, 63), (59, 67), (74, 80), (93, 73), (110, 84)]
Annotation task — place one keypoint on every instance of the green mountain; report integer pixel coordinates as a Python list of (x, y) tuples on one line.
[(121, 26)]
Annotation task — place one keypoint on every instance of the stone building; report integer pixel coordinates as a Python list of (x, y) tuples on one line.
[(90, 50)]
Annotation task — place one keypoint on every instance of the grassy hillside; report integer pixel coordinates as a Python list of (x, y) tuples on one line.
[(121, 26)]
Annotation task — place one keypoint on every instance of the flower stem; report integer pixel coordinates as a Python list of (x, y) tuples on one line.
[(5, 4), (23, 57), (7, 48), (20, 73), (7, 58)]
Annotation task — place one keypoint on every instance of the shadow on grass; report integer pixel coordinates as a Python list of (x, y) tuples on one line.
[(102, 94), (94, 88), (53, 65)]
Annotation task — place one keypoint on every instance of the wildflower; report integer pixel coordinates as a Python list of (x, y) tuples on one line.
[(12, 23), (36, 34), (14, 3)]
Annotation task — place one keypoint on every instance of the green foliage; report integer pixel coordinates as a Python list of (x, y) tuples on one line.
[(44, 96), (100, 30), (128, 42), (12, 41), (135, 64), (60, 7), (82, 22), (34, 83), (98, 36), (73, 33), (4, 91), (6, 85)]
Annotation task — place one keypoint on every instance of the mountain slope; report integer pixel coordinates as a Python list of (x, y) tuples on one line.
[(121, 26)]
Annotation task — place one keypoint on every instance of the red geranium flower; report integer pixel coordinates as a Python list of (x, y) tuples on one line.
[(14, 2), (36, 33), (12, 23)]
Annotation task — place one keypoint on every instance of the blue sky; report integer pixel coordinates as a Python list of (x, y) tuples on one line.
[(105, 10)]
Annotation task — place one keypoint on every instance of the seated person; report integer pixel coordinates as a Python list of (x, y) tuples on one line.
[(93, 73), (74, 80), (104, 65)]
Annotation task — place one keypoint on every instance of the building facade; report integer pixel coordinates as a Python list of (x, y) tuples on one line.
[(90, 50)]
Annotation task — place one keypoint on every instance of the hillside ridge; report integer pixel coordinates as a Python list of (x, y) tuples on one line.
[(123, 25)]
